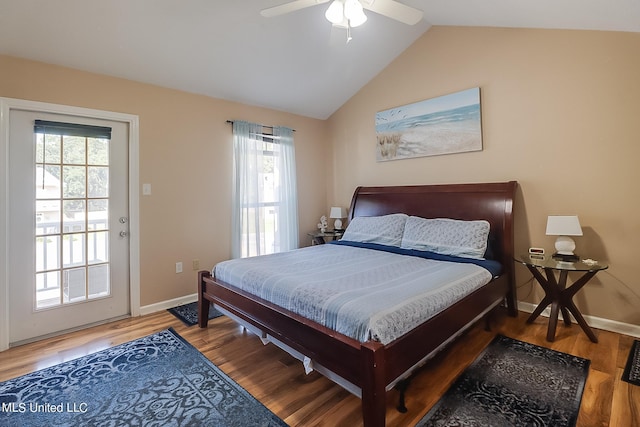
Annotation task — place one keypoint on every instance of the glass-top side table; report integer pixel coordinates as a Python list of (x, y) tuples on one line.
[(319, 237), (557, 294)]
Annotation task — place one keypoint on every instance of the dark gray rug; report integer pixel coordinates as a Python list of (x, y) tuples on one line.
[(158, 380), (513, 383), (631, 372), (188, 313)]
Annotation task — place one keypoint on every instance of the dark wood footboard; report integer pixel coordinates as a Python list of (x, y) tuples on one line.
[(370, 366), (362, 364)]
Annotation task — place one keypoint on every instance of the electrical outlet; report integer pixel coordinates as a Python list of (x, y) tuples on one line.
[(178, 267), (195, 264)]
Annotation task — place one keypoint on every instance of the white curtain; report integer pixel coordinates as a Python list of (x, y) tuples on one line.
[(265, 202)]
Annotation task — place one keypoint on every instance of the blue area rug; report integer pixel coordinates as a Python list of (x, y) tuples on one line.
[(159, 380), (188, 313), (513, 383)]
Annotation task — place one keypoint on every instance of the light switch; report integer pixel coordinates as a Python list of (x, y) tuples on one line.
[(146, 189)]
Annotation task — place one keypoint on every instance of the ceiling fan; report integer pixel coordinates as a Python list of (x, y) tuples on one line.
[(349, 13)]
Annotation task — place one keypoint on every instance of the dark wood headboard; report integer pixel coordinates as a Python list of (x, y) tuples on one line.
[(489, 201)]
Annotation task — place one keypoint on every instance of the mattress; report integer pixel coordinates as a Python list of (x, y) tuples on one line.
[(361, 292)]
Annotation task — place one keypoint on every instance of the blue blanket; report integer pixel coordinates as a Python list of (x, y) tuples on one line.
[(361, 292), (494, 267)]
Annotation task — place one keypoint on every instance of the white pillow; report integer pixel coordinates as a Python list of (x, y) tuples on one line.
[(446, 236), (384, 230)]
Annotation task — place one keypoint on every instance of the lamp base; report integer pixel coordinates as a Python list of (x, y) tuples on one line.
[(566, 257)]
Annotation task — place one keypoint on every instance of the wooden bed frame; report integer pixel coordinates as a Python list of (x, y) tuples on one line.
[(372, 366)]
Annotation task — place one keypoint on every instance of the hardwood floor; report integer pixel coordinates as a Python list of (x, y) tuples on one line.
[(279, 381)]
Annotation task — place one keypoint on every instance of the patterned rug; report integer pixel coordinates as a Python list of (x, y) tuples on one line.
[(158, 380), (513, 383), (188, 313), (632, 369)]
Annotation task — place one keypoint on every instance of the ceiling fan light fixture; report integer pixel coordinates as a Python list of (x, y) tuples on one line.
[(354, 12), (358, 20), (335, 12)]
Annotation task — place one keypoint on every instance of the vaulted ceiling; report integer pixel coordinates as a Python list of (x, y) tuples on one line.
[(225, 49)]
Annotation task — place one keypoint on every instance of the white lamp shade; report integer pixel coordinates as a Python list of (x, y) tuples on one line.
[(337, 212), (358, 20), (346, 13), (563, 225), (335, 12), (354, 12)]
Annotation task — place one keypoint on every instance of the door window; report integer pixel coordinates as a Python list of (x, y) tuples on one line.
[(72, 213)]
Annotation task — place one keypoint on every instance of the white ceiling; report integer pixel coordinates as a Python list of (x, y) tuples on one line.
[(225, 49)]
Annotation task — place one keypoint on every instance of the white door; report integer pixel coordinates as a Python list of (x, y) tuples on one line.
[(68, 220)]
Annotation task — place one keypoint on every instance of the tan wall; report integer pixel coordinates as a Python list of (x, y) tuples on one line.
[(185, 153), (560, 114)]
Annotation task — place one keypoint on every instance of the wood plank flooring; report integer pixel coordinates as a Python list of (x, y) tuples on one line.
[(279, 381)]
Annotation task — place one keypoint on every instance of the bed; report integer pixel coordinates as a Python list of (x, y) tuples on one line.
[(368, 365)]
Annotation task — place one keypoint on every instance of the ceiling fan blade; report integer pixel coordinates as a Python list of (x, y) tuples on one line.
[(394, 10), (289, 7)]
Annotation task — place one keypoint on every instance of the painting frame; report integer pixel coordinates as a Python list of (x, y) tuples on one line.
[(445, 124)]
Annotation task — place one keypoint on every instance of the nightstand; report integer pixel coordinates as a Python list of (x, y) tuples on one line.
[(556, 292), (319, 238)]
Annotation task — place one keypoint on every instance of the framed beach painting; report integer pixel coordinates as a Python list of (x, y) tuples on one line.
[(442, 125)]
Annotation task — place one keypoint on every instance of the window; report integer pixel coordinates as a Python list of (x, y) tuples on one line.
[(71, 221), (265, 218)]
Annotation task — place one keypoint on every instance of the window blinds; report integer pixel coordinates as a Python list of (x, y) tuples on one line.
[(71, 129)]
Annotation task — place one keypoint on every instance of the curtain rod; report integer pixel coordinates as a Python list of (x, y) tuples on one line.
[(264, 126)]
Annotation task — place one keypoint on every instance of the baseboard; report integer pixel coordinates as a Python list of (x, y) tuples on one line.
[(164, 305), (593, 321)]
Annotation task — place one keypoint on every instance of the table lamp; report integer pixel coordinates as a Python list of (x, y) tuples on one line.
[(337, 213), (564, 226)]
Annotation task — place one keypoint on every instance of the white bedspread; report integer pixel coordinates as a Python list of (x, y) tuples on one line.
[(362, 293)]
